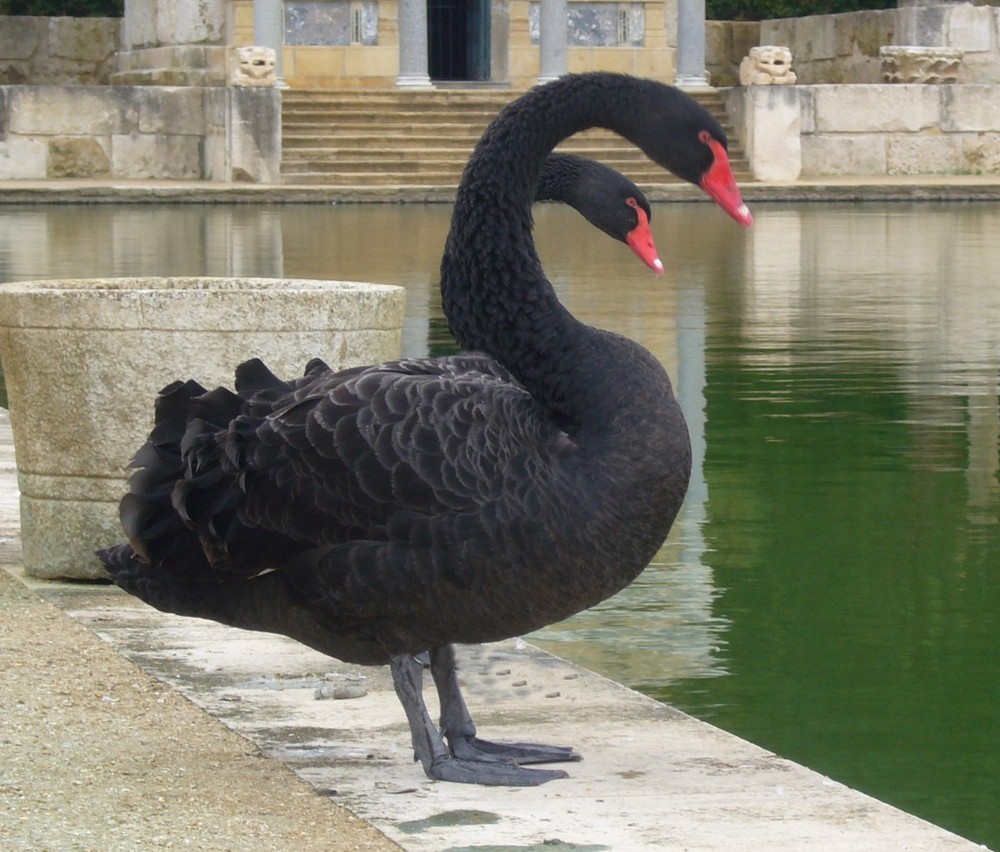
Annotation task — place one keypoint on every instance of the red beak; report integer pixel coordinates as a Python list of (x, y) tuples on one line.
[(721, 186), (640, 240)]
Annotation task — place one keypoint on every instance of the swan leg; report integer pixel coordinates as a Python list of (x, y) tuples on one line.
[(460, 731), (430, 749)]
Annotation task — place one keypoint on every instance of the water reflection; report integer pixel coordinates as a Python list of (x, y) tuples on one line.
[(830, 589)]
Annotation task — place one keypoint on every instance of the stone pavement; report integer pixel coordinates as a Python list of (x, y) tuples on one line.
[(126, 728), (846, 188)]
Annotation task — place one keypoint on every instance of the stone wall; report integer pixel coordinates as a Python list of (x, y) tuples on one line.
[(726, 43), (57, 50), (844, 48), (913, 129), (212, 133)]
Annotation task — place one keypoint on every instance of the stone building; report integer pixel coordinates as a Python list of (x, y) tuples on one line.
[(355, 44)]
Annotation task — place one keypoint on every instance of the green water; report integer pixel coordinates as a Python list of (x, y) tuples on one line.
[(831, 588)]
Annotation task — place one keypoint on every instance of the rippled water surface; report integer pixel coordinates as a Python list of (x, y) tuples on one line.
[(831, 589)]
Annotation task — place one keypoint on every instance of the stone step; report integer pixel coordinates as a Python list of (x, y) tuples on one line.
[(424, 138)]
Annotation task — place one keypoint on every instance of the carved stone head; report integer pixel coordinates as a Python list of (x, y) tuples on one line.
[(253, 65)]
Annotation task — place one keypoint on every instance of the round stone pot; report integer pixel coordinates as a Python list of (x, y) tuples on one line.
[(83, 361)]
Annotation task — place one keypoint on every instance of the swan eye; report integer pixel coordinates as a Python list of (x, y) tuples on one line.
[(631, 202), (704, 137)]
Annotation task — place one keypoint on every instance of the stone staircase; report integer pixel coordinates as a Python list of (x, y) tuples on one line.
[(394, 138)]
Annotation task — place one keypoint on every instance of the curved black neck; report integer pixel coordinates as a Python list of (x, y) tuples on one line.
[(494, 292)]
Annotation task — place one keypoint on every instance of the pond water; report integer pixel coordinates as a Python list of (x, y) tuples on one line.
[(831, 590)]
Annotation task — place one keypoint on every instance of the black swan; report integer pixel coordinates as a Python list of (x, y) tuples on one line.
[(606, 198), (381, 514)]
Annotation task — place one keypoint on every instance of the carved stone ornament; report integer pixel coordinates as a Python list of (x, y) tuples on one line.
[(767, 65), (911, 64), (252, 66)]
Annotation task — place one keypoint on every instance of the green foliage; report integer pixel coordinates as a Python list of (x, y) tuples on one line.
[(760, 10), (64, 8)]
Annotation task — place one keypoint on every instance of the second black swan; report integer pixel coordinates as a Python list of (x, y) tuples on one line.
[(383, 514)]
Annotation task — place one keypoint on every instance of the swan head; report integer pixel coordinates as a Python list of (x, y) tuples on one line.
[(640, 238), (718, 181)]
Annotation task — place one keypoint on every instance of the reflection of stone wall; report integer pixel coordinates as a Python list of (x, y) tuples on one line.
[(57, 50)]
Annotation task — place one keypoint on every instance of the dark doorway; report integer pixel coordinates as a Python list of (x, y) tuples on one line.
[(458, 39)]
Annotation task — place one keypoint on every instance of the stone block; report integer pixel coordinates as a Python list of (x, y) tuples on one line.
[(184, 22), (102, 349), (77, 157), (23, 159), (255, 135), (969, 27), (139, 24), (843, 155), (970, 108), (981, 153), (69, 110), (90, 39), (815, 38), (910, 154), (170, 110), (866, 109), (773, 132), (19, 36), (14, 73), (158, 156)]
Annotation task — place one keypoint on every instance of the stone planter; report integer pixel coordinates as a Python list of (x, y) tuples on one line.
[(83, 361)]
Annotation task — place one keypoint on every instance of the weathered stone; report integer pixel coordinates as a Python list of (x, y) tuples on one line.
[(160, 156), (970, 108), (14, 73), (77, 157), (773, 132), (910, 64), (19, 37), (969, 27), (252, 151), (69, 110), (23, 159), (93, 39), (174, 111), (184, 22), (102, 349), (856, 154), (862, 108), (815, 38), (139, 24), (915, 155), (252, 65), (767, 65), (981, 153)]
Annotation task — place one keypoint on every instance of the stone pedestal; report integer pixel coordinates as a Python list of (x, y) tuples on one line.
[(913, 64), (83, 361)]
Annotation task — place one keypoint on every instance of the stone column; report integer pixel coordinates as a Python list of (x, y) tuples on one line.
[(691, 72), (553, 27), (413, 45), (269, 31)]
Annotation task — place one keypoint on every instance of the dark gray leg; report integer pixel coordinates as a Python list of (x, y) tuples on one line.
[(430, 749), (460, 731)]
